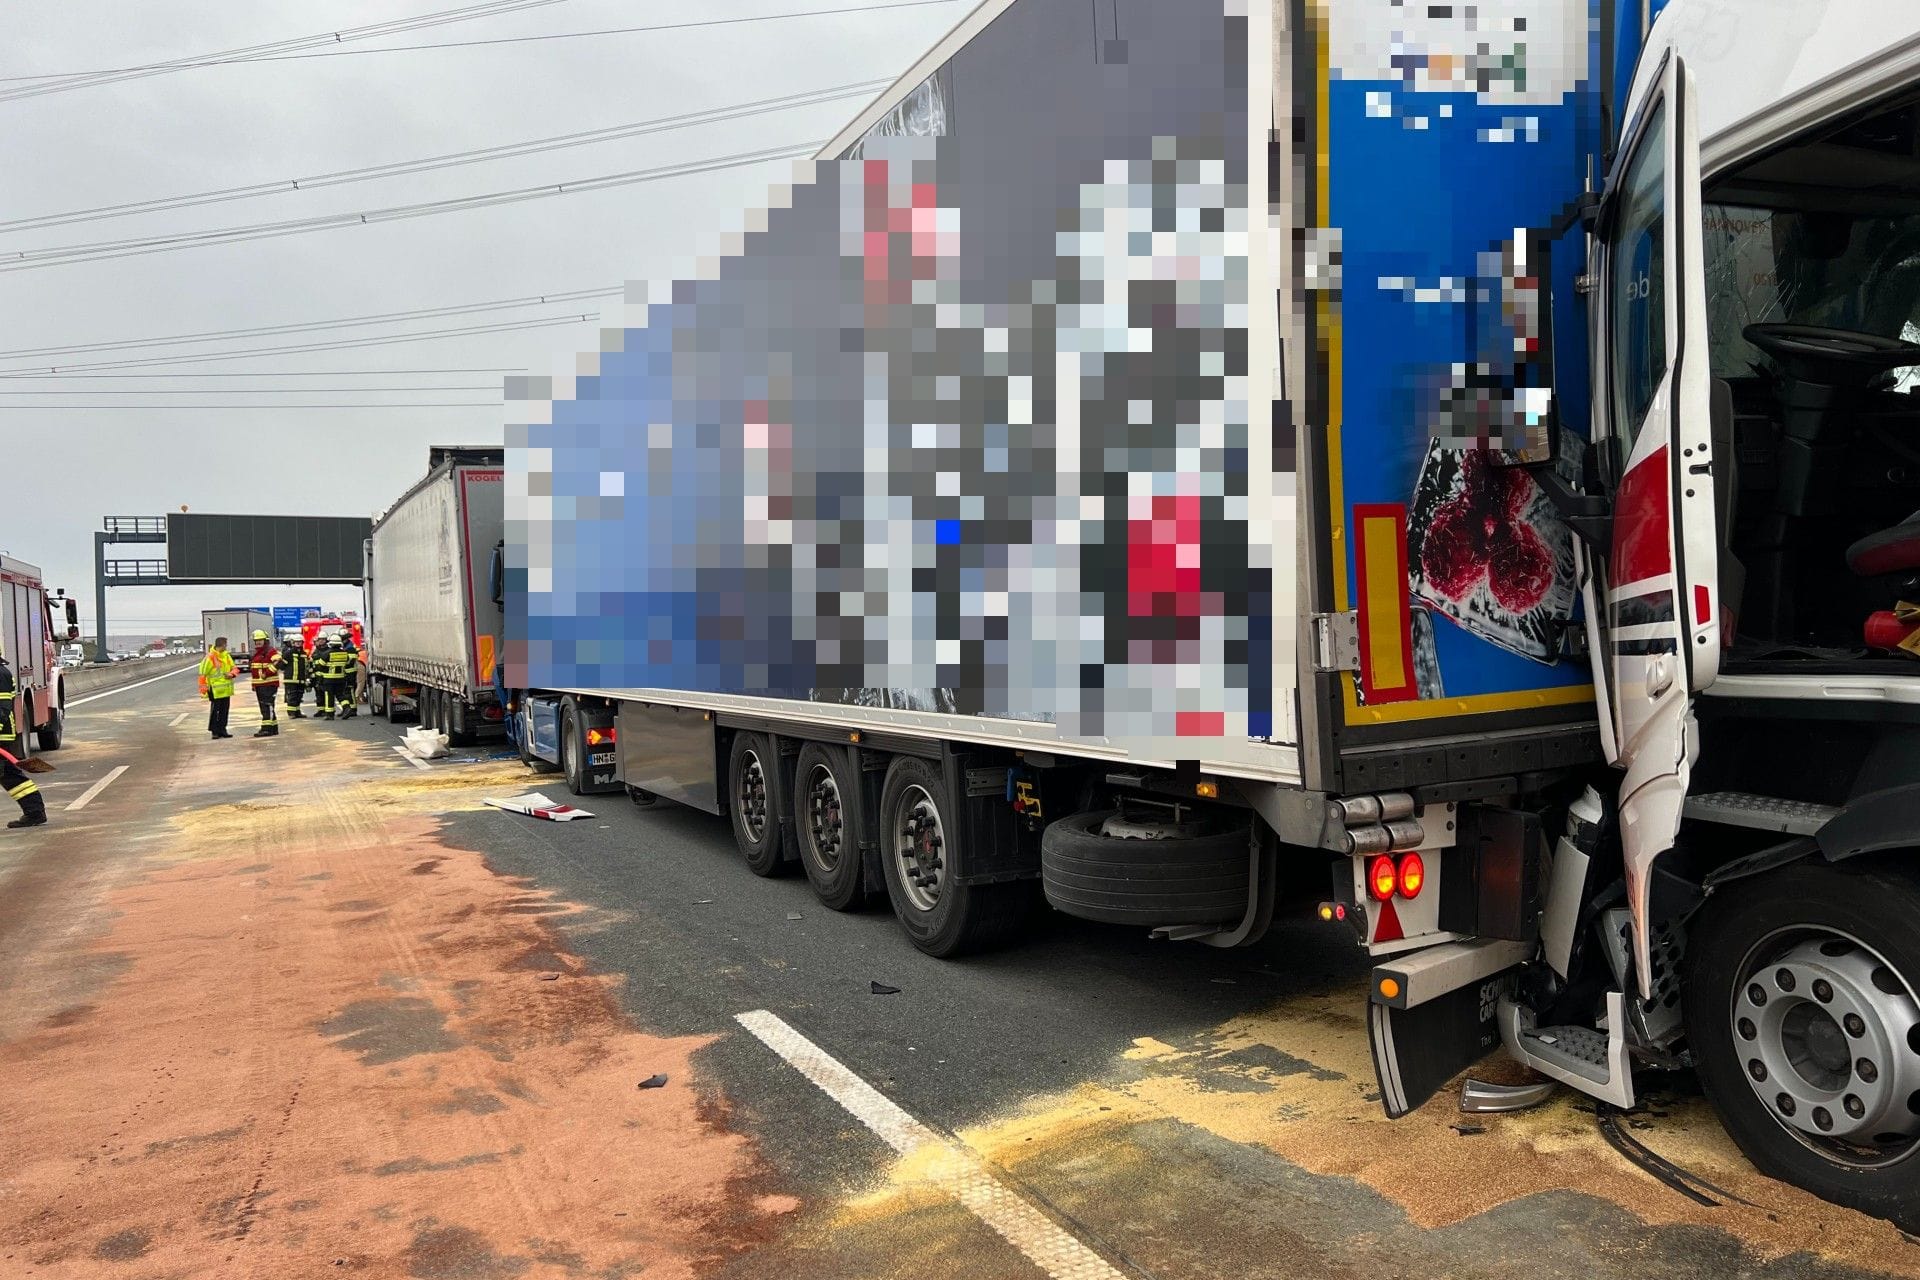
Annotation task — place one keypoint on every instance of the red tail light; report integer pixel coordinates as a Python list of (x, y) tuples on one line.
[(600, 737), (1413, 874), (1382, 878)]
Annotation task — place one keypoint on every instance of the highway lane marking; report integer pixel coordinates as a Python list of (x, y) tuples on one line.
[(175, 722), (139, 684), (412, 759), (86, 797), (960, 1173)]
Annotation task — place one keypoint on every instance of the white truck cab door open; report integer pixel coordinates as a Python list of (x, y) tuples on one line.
[(1660, 614)]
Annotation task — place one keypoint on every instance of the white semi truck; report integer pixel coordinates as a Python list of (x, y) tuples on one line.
[(1164, 448), (433, 606)]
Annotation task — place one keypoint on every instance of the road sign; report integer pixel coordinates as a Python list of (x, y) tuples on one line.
[(287, 617)]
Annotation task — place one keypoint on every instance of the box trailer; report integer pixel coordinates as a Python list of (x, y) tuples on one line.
[(33, 626), (237, 625), (1164, 446), (434, 611)]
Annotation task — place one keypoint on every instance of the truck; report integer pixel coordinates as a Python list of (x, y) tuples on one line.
[(237, 625), (433, 601), (1164, 453), (33, 626)]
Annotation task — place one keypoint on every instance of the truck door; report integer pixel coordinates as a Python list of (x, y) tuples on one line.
[(1660, 612)]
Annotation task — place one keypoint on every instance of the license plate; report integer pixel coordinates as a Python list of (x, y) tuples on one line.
[(600, 757)]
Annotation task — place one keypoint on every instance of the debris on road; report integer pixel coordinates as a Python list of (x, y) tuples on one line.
[(536, 805), (1468, 1130), (549, 977), (654, 1082), (882, 989), (795, 915), (427, 744)]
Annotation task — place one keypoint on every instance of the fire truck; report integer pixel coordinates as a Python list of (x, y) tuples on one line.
[(33, 625)]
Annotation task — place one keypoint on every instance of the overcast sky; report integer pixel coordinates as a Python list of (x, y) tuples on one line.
[(218, 127)]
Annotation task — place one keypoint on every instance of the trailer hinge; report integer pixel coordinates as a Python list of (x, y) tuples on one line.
[(1336, 641)]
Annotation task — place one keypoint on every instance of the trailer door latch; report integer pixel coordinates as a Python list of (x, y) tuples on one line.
[(1336, 641)]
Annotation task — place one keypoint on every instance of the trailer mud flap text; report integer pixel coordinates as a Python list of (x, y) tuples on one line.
[(1417, 1050)]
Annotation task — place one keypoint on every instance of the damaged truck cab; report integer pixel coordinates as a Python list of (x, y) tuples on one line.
[(1738, 890)]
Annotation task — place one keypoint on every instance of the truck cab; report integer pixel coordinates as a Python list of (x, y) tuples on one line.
[(33, 626), (1738, 893)]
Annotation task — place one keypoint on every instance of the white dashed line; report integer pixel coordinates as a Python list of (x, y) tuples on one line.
[(411, 758), (140, 684), (86, 797), (954, 1169), (176, 721)]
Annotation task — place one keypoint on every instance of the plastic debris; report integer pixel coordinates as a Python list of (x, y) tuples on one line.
[(882, 989), (1468, 1130), (654, 1082), (425, 744), (535, 805), (549, 977), (795, 915), (703, 902)]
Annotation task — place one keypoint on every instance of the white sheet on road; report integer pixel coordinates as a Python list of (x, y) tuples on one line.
[(535, 805)]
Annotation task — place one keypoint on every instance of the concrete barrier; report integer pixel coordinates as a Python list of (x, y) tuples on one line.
[(100, 677)]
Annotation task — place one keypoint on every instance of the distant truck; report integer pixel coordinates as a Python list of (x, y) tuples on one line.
[(237, 625), (434, 597), (32, 626)]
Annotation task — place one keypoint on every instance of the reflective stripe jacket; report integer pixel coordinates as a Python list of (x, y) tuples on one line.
[(9, 734), (216, 675), (294, 665), (264, 666)]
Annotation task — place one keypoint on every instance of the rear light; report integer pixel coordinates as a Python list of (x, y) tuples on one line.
[(1382, 878), (1333, 911), (1413, 874), (492, 713), (600, 737)]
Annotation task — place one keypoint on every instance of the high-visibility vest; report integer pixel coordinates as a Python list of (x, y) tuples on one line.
[(294, 665), (263, 667), (216, 675)]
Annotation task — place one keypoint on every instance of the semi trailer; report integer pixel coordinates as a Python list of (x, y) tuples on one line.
[(237, 625), (33, 626), (433, 601), (1164, 449)]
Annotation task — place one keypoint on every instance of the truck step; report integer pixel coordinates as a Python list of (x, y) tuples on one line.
[(1590, 1059), (1581, 1050), (1762, 813)]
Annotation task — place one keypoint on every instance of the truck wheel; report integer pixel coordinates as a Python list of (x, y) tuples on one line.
[(1800, 1003), (572, 758), (941, 917), (756, 828), (1199, 878), (55, 729), (828, 822)]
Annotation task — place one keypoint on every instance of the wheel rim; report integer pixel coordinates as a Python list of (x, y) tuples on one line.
[(750, 796), (1828, 1036), (919, 847), (826, 827)]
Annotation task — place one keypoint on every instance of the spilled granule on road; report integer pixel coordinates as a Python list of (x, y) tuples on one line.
[(1296, 1081), (340, 1046)]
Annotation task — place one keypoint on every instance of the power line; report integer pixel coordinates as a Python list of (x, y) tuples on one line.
[(262, 408), (61, 82), (276, 373), (452, 160), (239, 391), (344, 344), (385, 317), (100, 251), (222, 60)]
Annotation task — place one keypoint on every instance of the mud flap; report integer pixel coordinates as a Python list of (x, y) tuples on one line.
[(1435, 1014)]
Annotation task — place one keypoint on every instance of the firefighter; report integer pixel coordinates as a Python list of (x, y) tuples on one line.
[(33, 805), (263, 670), (346, 675), (295, 669), (216, 686), (322, 682)]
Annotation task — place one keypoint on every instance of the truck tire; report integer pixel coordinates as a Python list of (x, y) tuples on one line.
[(750, 792), (50, 735), (827, 820), (379, 700), (1198, 879), (1829, 951), (573, 758), (941, 917)]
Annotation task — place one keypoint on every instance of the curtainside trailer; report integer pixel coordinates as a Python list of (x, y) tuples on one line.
[(434, 609), (1165, 448)]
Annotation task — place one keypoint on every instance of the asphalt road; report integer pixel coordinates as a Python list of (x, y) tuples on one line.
[(1084, 1103)]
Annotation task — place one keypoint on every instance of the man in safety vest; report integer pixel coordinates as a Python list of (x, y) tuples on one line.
[(216, 686), (33, 805), (263, 669), (343, 665), (295, 669), (322, 679)]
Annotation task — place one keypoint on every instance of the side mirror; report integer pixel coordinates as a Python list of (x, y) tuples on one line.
[(1589, 517), (73, 613), (497, 576)]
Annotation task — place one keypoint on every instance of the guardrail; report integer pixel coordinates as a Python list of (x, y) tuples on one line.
[(99, 677)]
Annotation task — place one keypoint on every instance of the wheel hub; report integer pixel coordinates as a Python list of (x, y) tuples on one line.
[(751, 799), (826, 824), (919, 848), (1829, 1035)]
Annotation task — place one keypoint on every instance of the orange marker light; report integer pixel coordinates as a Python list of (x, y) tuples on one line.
[(1326, 911), (1389, 988), (1207, 790), (1413, 874), (1382, 879)]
